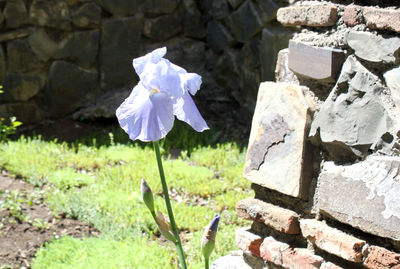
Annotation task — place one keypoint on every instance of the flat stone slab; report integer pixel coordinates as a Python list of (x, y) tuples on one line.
[(277, 153), (365, 195), (315, 62)]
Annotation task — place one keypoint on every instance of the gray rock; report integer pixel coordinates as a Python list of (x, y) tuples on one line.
[(121, 7), (227, 73), (21, 87), (88, 15), (2, 65), (163, 27), (1, 19), (235, 3), (238, 260), (392, 78), (54, 14), (374, 48), (279, 155), (15, 13), (282, 71), (102, 107), (249, 83), (352, 118), (68, 87), (220, 9), (160, 6), (16, 34), (42, 44), (218, 38), (266, 9), (251, 54), (27, 113), (245, 22), (21, 57), (81, 47), (193, 21), (120, 43), (364, 195)]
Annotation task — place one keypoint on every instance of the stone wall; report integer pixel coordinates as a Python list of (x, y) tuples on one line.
[(73, 57), (323, 152)]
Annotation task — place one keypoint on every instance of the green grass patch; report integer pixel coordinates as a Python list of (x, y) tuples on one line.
[(100, 184)]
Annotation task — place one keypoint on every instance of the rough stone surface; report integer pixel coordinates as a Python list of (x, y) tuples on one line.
[(21, 87), (21, 57), (266, 9), (121, 7), (245, 22), (68, 87), (19, 33), (300, 258), (248, 242), (102, 107), (315, 62), (281, 219), (277, 139), (381, 258), (1, 18), (382, 19), (54, 14), (392, 79), (120, 43), (312, 15), (352, 118), (374, 48), (352, 15), (27, 113), (2, 65), (160, 6), (219, 9), (218, 38), (282, 71), (235, 3), (332, 240), (193, 21), (88, 15), (363, 195), (163, 27), (42, 44), (15, 13), (238, 260), (80, 47), (329, 265)]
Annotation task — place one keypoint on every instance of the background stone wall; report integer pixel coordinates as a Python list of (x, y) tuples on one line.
[(323, 151), (73, 57)]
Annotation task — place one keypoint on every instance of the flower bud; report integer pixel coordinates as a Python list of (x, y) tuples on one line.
[(208, 240), (164, 226), (147, 196)]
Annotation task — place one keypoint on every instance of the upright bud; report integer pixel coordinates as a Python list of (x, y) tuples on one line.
[(208, 240), (165, 227), (147, 196)]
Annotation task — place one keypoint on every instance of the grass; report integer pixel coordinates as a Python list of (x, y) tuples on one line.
[(97, 180)]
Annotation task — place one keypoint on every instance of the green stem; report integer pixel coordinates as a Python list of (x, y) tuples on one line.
[(206, 263), (178, 243)]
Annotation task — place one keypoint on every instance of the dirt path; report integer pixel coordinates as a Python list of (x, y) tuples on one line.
[(26, 223)]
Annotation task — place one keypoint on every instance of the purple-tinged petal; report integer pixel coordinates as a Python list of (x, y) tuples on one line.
[(146, 116), (186, 110), (191, 82), (214, 223), (153, 57)]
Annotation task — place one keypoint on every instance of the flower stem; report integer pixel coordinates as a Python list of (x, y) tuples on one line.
[(178, 243), (206, 263)]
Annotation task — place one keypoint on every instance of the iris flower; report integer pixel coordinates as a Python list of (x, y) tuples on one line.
[(163, 92)]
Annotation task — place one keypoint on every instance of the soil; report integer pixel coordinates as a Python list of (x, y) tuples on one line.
[(19, 241)]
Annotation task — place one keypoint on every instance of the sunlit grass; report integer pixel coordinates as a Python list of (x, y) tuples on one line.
[(101, 185)]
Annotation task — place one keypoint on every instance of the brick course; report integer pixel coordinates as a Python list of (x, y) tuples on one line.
[(380, 258), (382, 19), (315, 15), (248, 242)]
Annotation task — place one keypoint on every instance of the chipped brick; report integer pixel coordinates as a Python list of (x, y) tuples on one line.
[(315, 15)]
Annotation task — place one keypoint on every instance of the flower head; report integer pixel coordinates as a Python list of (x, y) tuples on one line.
[(163, 92), (147, 196), (208, 239)]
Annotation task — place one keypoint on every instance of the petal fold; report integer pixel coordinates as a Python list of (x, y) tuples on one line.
[(185, 110)]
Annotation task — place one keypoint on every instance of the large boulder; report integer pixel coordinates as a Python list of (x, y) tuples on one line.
[(21, 57), (15, 14), (54, 14), (88, 15), (353, 118), (22, 87), (121, 7)]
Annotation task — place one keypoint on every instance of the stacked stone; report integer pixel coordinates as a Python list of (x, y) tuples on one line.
[(323, 152), (63, 57)]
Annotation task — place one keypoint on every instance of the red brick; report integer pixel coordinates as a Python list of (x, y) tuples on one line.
[(248, 242), (382, 19), (329, 265), (352, 15), (311, 15), (281, 219), (300, 258), (271, 250), (380, 258), (332, 240)]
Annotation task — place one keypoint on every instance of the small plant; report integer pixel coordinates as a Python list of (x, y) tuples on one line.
[(13, 203), (7, 129)]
